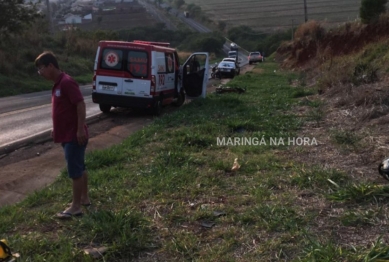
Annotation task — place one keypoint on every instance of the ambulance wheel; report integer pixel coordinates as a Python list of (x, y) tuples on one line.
[(180, 99), (157, 108), (105, 108)]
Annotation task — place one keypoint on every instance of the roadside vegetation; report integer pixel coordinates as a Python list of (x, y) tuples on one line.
[(169, 192), (305, 189), (252, 40), (343, 65)]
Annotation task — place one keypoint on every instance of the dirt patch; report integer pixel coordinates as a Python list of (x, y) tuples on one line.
[(346, 141), (32, 168), (358, 159), (257, 70)]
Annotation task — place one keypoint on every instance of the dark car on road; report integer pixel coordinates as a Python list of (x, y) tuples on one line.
[(231, 59), (255, 57), (226, 68)]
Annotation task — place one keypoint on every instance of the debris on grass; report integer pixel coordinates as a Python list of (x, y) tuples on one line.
[(236, 165), (226, 89)]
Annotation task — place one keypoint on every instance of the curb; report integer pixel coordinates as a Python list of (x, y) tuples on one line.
[(41, 137)]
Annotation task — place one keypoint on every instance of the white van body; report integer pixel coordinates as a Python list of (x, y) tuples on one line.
[(144, 75)]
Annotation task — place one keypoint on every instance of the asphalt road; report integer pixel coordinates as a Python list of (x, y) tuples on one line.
[(158, 15), (193, 24), (28, 115)]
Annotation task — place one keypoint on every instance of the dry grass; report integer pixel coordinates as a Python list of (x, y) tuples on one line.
[(183, 55), (314, 44), (311, 30)]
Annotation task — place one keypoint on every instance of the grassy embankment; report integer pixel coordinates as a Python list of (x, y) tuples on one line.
[(152, 193)]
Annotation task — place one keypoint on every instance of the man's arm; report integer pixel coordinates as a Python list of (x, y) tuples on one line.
[(81, 115)]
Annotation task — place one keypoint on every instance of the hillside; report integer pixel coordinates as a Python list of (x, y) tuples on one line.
[(269, 15), (348, 66)]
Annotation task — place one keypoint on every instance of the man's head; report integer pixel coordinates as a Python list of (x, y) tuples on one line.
[(47, 65)]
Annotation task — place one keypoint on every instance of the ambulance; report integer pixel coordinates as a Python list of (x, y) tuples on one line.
[(147, 75)]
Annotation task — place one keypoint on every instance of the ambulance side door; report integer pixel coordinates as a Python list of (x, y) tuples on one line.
[(194, 74), (165, 72)]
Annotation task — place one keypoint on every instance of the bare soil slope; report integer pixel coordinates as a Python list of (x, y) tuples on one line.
[(351, 121)]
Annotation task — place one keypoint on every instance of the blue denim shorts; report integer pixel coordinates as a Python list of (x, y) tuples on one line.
[(75, 158)]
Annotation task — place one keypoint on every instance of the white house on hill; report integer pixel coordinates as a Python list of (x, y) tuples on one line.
[(87, 17), (73, 19)]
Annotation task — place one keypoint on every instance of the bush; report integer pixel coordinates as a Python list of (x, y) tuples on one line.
[(312, 30), (76, 67), (258, 41), (371, 9), (212, 43)]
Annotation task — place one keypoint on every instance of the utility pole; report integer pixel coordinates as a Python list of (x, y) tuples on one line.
[(49, 17), (292, 29), (305, 11)]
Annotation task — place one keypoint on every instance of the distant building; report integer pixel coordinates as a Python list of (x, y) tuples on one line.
[(88, 17), (73, 19)]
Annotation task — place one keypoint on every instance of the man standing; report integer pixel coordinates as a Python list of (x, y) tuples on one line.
[(69, 129)]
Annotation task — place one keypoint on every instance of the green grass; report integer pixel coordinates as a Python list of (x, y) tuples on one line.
[(152, 192), (11, 86)]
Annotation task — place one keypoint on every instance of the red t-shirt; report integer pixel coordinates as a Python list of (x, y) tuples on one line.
[(65, 96)]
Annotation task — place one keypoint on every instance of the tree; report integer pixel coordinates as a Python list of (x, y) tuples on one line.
[(222, 25), (371, 9), (99, 19), (15, 15), (179, 3), (194, 10), (210, 44)]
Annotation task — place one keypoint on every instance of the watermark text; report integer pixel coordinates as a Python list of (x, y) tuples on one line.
[(272, 141)]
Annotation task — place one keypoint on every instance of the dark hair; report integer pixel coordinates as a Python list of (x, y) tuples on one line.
[(45, 59)]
